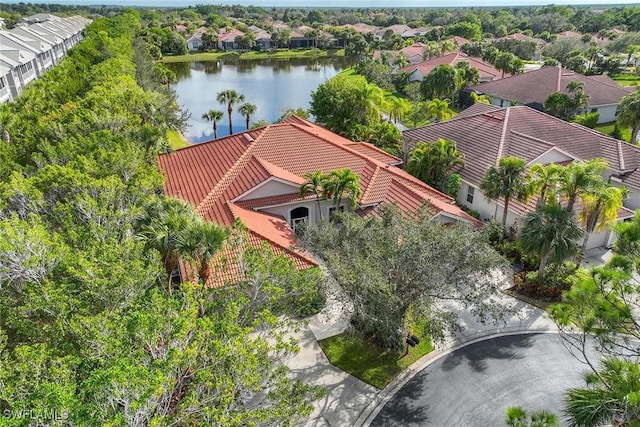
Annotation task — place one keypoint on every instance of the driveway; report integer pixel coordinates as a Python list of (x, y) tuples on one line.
[(473, 386)]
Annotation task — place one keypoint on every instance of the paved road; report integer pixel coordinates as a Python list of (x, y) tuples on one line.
[(474, 385)]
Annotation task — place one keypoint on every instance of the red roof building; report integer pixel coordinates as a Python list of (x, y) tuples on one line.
[(487, 133), (487, 71), (255, 177)]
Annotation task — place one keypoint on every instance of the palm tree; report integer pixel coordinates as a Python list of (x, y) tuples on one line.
[(340, 183), (551, 233), (397, 109), (543, 180), (213, 116), (401, 61), (314, 182), (433, 162), (439, 109), (580, 99), (229, 97), (518, 417), (609, 398), (164, 230), (441, 82), (201, 242), (630, 114), (247, 110), (579, 177), (600, 208), (507, 180)]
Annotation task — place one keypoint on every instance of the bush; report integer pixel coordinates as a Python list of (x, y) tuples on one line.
[(589, 120)]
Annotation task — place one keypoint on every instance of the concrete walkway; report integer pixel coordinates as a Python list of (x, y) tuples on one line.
[(350, 401)]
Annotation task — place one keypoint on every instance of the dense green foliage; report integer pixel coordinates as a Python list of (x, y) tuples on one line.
[(88, 326), (389, 266)]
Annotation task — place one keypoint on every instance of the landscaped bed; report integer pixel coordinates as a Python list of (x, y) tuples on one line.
[(275, 54)]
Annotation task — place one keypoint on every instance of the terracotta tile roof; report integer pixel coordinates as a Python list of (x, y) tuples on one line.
[(486, 70), (486, 133), (522, 37), (214, 175), (535, 87)]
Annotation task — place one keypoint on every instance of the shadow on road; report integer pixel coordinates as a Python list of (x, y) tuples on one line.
[(496, 348), (409, 407)]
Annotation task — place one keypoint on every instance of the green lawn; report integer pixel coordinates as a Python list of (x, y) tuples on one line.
[(277, 54), (607, 129), (370, 363), (627, 80), (176, 140)]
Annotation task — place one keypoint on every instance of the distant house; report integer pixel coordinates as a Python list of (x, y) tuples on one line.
[(417, 72), (415, 32), (360, 28), (195, 42), (227, 41), (534, 87), (486, 133), (413, 53), (42, 50), (263, 38), (255, 177), (397, 30)]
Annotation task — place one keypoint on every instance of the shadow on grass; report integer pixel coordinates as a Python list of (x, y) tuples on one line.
[(367, 361)]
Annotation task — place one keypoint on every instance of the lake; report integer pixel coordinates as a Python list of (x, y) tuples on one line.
[(272, 85)]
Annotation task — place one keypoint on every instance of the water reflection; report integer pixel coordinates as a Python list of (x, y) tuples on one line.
[(272, 85)]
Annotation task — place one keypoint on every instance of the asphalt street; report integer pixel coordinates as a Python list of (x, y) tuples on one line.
[(473, 386)]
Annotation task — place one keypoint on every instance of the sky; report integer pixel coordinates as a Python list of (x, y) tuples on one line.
[(337, 3)]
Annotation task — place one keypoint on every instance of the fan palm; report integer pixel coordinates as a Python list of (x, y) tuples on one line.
[(551, 233), (247, 110), (229, 98), (213, 116)]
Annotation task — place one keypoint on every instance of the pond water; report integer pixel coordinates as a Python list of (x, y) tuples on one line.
[(272, 85)]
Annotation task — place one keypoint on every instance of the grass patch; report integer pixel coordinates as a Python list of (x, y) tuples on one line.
[(368, 362), (176, 140), (276, 54), (607, 129), (627, 80)]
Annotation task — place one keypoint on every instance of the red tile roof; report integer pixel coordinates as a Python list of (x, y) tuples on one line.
[(485, 133), (534, 87), (486, 70), (213, 175)]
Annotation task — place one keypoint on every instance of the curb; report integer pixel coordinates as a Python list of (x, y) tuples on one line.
[(369, 413)]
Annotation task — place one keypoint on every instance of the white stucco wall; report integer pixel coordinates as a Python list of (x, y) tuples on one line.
[(499, 101), (552, 156), (271, 188), (607, 112), (285, 210)]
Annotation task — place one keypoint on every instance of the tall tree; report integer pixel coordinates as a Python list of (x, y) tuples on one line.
[(341, 183), (630, 114), (600, 205), (579, 177), (386, 266), (551, 233), (229, 98), (506, 181), (315, 183), (214, 116), (543, 180), (247, 110), (441, 82)]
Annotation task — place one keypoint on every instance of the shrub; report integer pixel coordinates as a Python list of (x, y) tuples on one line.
[(587, 119)]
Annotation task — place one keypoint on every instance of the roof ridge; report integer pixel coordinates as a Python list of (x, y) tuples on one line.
[(228, 178), (373, 147), (503, 135), (620, 155), (365, 193)]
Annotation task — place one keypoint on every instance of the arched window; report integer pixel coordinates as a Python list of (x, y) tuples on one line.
[(299, 215)]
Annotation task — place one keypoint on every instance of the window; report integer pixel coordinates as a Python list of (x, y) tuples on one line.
[(594, 110), (299, 216), (333, 210), (470, 192), (2, 83), (617, 112)]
